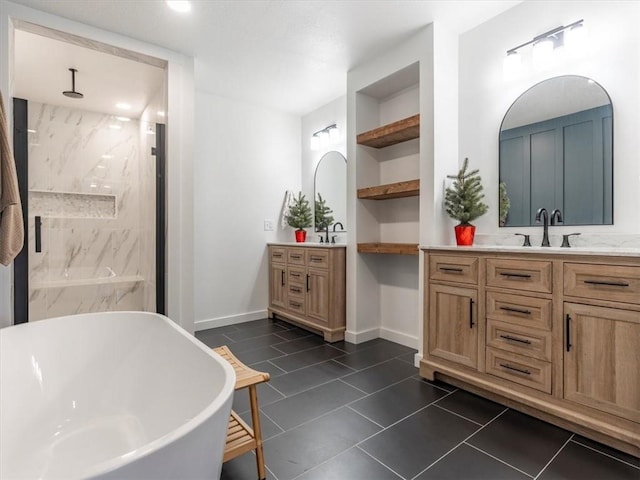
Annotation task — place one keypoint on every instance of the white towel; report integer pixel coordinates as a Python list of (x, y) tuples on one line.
[(11, 226), (288, 200)]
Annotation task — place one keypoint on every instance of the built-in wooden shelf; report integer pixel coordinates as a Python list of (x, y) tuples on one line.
[(391, 134), (389, 248), (409, 188)]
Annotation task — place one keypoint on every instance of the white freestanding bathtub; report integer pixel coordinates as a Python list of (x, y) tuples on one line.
[(126, 395)]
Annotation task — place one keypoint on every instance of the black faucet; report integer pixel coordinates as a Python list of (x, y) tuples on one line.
[(542, 212), (326, 232), (556, 215)]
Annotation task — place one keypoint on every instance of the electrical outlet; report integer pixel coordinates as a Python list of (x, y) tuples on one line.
[(268, 225)]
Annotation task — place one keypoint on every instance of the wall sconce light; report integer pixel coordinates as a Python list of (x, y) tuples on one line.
[(321, 138), (545, 44)]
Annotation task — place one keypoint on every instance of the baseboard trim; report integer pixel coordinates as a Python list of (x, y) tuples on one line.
[(363, 336), (229, 320), (399, 337), (416, 359)]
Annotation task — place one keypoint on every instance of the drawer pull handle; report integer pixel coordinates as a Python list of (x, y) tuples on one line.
[(514, 274), (277, 255), (515, 369), (316, 259), (451, 270), (602, 282), (295, 304), (282, 276), (296, 290), (297, 275), (297, 257), (567, 321), (514, 339), (516, 310), (308, 288), (471, 313)]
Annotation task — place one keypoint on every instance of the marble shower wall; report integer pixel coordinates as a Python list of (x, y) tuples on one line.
[(87, 179)]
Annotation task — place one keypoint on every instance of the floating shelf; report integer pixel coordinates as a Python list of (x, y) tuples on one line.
[(391, 134), (389, 248), (409, 188)]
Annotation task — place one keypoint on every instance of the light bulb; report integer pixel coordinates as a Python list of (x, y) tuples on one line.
[(512, 65), (334, 134), (315, 143), (576, 38), (324, 138), (542, 52)]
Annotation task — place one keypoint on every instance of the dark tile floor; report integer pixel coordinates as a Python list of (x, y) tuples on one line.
[(348, 412)]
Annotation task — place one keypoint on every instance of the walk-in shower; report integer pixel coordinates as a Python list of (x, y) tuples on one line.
[(90, 177)]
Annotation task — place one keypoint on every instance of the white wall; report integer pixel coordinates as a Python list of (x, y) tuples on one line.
[(246, 157), (180, 230), (613, 60)]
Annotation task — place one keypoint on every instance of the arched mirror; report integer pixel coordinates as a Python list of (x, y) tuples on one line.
[(556, 151), (330, 182)]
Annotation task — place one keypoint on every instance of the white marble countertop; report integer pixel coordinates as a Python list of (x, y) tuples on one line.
[(604, 251), (309, 244)]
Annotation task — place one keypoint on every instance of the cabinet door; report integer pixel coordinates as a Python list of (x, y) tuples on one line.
[(318, 295), (277, 285), (453, 329), (602, 359)]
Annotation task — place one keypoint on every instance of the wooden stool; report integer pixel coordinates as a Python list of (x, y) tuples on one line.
[(241, 438)]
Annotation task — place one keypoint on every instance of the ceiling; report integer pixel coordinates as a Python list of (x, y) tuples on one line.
[(42, 74), (291, 55)]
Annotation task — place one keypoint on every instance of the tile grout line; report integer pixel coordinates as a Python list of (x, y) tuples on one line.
[(554, 457), (379, 461), (366, 394), (604, 453), (369, 366), (382, 427), (463, 441), (498, 459), (457, 414), (273, 364), (394, 423), (272, 421)]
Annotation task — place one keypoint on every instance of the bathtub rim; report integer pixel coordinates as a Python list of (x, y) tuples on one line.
[(182, 430)]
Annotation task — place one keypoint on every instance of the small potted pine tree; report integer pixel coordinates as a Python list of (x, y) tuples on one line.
[(300, 216), (463, 202), (324, 219)]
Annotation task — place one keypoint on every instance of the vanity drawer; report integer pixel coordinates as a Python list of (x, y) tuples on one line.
[(296, 276), (519, 310), (526, 371), (458, 268), (296, 304), (605, 282), (530, 275), (318, 257), (516, 339), (296, 289), (295, 256), (278, 254)]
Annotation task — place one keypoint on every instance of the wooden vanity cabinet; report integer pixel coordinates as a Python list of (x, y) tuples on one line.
[(556, 336), (277, 278), (307, 286)]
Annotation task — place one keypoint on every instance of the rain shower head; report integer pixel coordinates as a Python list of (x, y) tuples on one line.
[(72, 93)]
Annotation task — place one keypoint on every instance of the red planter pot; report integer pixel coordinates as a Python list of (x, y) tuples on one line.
[(301, 236), (464, 235)]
